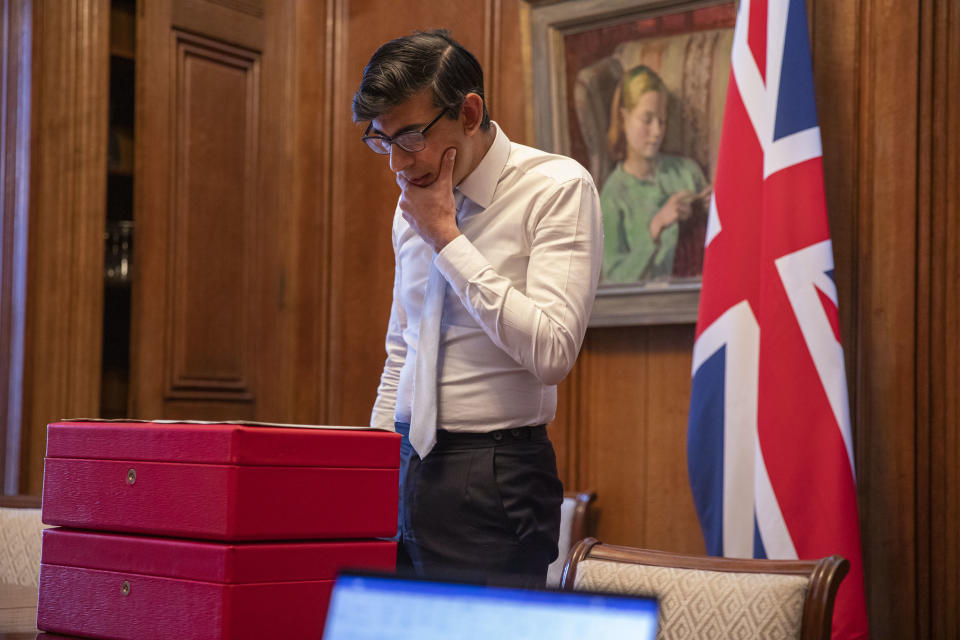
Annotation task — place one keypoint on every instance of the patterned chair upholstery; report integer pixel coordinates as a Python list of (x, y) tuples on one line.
[(573, 527), (20, 540), (708, 597)]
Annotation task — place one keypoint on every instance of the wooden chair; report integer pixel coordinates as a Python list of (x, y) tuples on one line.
[(573, 527), (705, 596)]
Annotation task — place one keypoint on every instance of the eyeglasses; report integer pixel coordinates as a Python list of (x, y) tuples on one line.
[(411, 141)]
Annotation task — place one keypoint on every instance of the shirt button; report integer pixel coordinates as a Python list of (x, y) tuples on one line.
[(498, 436)]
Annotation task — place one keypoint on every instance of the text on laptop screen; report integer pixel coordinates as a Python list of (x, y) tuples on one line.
[(384, 607)]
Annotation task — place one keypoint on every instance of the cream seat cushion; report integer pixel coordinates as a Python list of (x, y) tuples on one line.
[(20, 542), (706, 604)]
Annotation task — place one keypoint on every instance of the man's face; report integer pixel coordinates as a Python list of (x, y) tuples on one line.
[(421, 168)]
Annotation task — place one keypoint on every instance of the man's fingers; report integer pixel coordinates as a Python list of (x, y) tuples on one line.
[(446, 166)]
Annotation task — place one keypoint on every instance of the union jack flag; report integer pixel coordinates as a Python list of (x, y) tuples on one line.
[(769, 445)]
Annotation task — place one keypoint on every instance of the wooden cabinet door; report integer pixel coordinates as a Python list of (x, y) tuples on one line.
[(208, 283)]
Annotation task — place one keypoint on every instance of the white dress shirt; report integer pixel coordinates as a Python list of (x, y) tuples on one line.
[(522, 277)]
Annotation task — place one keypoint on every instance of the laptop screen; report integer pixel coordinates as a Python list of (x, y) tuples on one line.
[(384, 607)]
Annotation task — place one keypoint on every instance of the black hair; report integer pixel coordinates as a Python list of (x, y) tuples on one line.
[(405, 66)]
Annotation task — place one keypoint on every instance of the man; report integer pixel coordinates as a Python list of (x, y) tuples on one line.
[(498, 251)]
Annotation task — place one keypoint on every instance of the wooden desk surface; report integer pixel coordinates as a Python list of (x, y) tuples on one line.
[(18, 614), (18, 608)]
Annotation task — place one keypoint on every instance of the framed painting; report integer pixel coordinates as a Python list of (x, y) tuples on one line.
[(635, 90)]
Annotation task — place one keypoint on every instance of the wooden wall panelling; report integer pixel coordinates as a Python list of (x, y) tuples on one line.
[(151, 205), (67, 201), (15, 66), (614, 390), (313, 158), (293, 239), (208, 251), (945, 556), (506, 96), (835, 51), (938, 316), (926, 274), (838, 71), (884, 425), (671, 520), (492, 53), (361, 259), (364, 194), (239, 22), (213, 234), (214, 151), (631, 442), (277, 189)]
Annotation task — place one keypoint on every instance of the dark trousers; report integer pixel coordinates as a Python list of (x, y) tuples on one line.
[(484, 507)]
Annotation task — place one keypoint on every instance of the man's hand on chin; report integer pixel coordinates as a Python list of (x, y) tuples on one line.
[(431, 210)]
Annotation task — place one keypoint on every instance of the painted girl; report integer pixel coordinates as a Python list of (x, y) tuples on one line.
[(649, 193)]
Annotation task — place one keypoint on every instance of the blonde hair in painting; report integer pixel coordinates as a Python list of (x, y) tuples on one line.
[(635, 82)]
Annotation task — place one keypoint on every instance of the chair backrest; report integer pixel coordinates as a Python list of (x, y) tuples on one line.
[(20, 540), (704, 596), (573, 527)]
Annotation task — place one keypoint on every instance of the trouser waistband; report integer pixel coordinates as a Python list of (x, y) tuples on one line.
[(491, 438), (458, 439)]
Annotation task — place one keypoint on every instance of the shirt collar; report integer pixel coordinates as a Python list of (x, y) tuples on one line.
[(481, 184)]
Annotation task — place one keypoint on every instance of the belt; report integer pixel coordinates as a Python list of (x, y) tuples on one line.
[(455, 439)]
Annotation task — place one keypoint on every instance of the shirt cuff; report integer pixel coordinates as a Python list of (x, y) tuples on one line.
[(460, 262)]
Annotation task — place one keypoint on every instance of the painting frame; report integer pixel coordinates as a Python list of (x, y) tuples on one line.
[(550, 21)]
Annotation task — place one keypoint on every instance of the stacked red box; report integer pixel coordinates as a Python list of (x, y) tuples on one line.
[(188, 530)]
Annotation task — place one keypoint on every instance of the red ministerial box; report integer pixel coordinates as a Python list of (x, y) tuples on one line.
[(222, 481), (127, 586)]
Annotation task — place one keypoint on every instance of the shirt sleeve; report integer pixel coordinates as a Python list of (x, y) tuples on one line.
[(384, 408), (542, 326)]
